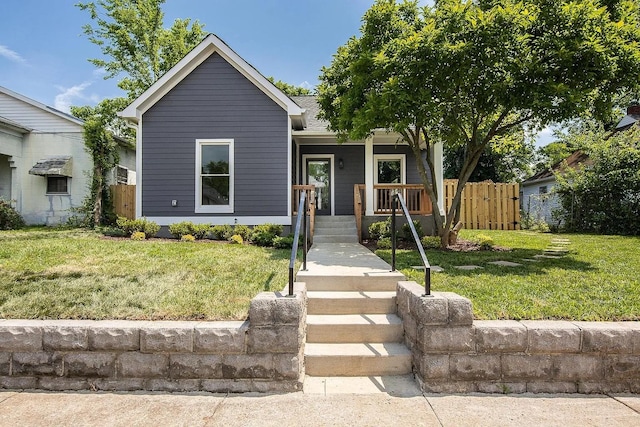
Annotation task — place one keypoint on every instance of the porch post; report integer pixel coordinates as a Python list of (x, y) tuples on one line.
[(437, 166), (369, 171)]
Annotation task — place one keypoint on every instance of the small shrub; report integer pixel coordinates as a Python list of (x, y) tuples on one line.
[(484, 241), (112, 232), (198, 231), (263, 235), (381, 229), (10, 219), (384, 243), (406, 230), (242, 231), (222, 232), (138, 235), (430, 242), (130, 226), (283, 242), (180, 229), (236, 239), (187, 238)]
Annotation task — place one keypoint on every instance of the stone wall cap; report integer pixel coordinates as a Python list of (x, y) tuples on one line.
[(606, 325), (549, 324), (498, 324), (170, 324), (223, 324)]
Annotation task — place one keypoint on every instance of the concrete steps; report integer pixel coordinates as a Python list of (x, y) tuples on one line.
[(352, 326), (335, 229), (357, 359), (363, 302)]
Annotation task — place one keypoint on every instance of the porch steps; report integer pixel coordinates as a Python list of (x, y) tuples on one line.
[(335, 229), (352, 326)]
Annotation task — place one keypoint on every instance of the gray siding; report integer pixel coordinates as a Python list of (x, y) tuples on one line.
[(215, 101), (344, 179), (539, 206)]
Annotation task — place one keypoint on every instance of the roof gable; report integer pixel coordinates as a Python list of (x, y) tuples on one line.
[(576, 159), (207, 47), (33, 115)]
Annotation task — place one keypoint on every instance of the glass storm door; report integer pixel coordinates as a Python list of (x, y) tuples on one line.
[(319, 175)]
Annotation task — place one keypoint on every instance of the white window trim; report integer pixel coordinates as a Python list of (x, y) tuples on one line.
[(199, 208), (403, 166)]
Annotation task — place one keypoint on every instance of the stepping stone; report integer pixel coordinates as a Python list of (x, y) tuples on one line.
[(434, 268), (506, 263), (554, 252), (557, 248), (530, 260), (468, 267), (547, 257)]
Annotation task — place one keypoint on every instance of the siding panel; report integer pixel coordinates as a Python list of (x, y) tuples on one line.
[(215, 102)]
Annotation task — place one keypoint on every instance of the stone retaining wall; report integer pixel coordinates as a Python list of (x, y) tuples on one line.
[(262, 354), (454, 353)]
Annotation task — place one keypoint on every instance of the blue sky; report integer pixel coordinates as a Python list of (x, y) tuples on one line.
[(43, 52)]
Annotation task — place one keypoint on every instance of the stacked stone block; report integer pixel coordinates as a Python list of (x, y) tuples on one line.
[(262, 354), (453, 353)]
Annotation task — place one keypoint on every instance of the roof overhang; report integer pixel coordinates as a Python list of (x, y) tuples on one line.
[(207, 47), (14, 126), (53, 166)]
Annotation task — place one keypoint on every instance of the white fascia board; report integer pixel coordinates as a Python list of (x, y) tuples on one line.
[(222, 220), (210, 45)]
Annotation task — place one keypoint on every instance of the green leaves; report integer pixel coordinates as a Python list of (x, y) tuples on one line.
[(136, 46)]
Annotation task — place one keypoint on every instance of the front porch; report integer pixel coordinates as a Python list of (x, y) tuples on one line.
[(415, 196)]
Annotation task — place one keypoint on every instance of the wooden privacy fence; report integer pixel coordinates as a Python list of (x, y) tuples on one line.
[(124, 200), (486, 205)]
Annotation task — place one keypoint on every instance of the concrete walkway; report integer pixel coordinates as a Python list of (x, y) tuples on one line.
[(300, 409)]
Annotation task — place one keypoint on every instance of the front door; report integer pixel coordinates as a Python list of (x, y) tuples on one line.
[(318, 173)]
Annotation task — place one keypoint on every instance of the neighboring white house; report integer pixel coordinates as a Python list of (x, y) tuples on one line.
[(43, 163)]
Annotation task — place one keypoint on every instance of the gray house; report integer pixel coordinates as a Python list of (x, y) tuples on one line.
[(218, 143)]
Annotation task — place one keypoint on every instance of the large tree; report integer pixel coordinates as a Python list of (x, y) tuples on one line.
[(135, 45), (462, 73), (138, 50), (507, 159)]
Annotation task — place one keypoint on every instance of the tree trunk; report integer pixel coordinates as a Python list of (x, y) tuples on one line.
[(97, 206)]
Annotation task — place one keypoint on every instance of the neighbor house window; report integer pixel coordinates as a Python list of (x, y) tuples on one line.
[(57, 185), (214, 176), (122, 175), (542, 190)]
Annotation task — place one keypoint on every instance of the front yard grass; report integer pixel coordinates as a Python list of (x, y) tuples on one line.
[(75, 274), (599, 279)]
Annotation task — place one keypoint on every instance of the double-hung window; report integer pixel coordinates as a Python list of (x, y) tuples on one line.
[(214, 176)]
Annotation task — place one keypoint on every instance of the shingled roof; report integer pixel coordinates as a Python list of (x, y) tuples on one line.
[(310, 104), (576, 159)]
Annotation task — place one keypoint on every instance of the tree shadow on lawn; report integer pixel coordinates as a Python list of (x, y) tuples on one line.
[(449, 260)]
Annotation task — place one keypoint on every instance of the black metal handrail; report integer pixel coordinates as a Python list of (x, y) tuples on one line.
[(427, 267), (301, 220)]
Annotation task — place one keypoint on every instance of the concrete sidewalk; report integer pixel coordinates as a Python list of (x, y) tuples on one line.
[(31, 408)]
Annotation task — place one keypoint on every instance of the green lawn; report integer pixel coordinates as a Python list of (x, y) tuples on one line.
[(73, 274), (598, 280)]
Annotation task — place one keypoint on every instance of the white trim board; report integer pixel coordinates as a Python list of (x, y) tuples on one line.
[(222, 220), (207, 47)]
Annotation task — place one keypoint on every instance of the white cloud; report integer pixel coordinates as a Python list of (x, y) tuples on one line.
[(71, 95), (305, 84), (11, 55), (545, 136)]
